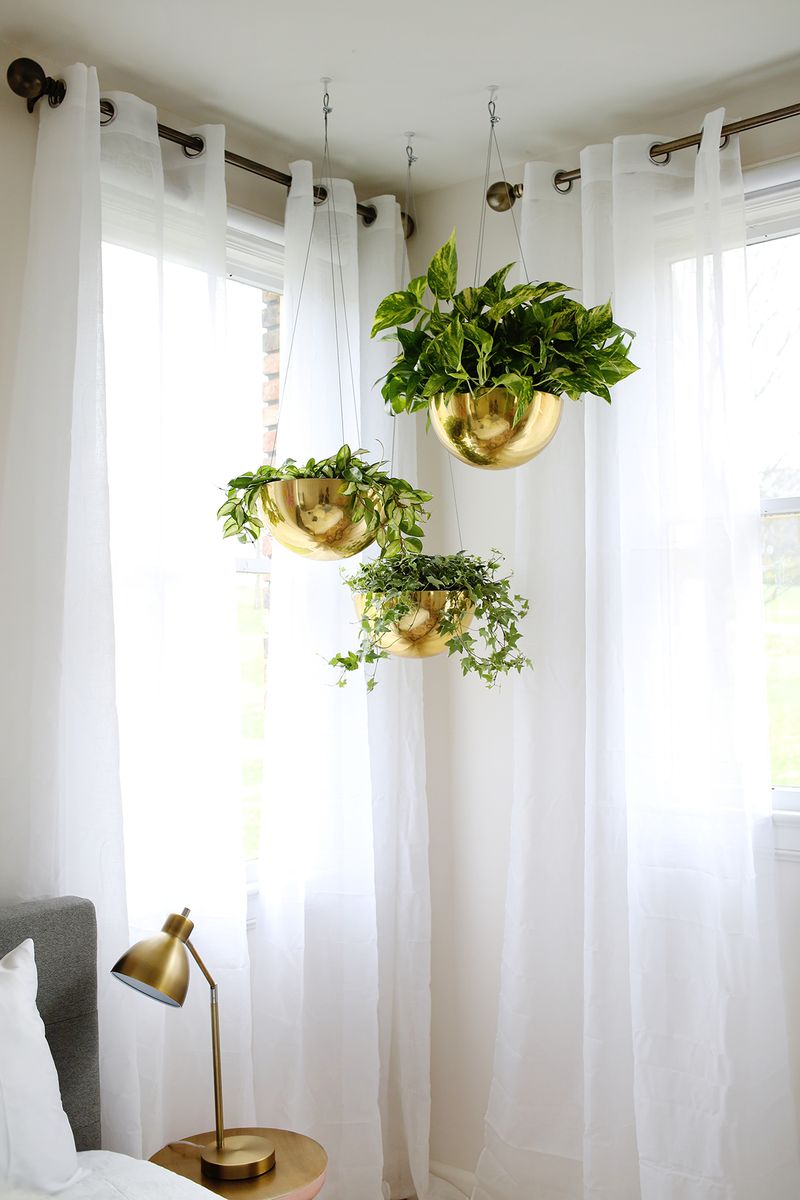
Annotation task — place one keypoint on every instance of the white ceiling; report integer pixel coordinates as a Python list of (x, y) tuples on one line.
[(570, 73)]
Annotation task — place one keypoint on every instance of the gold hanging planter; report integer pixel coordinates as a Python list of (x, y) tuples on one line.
[(313, 518), (419, 633), (479, 429)]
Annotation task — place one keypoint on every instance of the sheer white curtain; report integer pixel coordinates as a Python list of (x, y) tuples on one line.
[(59, 756), (397, 760), (341, 969), (170, 450), (641, 1047)]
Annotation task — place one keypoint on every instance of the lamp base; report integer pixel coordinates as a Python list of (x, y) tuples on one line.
[(243, 1156)]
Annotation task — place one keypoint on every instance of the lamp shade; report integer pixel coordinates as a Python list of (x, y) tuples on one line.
[(158, 966)]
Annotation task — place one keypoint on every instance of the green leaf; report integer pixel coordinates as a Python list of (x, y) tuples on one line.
[(468, 302), (395, 309), (443, 270), (418, 287), (520, 295), (494, 286), (452, 343), (531, 337), (479, 337)]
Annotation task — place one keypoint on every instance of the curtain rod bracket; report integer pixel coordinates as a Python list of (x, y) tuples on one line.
[(27, 78)]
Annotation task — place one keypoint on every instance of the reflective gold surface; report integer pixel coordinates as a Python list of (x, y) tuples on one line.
[(418, 634), (243, 1156), (480, 431), (312, 518), (158, 966), (300, 1166)]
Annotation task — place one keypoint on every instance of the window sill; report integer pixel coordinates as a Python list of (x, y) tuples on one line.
[(787, 836)]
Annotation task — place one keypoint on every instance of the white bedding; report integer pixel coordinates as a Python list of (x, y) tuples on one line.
[(108, 1176)]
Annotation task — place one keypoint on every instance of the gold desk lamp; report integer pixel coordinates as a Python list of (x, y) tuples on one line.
[(159, 967)]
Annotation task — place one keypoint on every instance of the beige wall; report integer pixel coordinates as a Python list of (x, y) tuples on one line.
[(469, 730), (17, 148)]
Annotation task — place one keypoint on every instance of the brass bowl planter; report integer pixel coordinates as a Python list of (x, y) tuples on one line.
[(312, 517), (418, 634), (480, 429)]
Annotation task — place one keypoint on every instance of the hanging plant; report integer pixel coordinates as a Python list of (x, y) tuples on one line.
[(493, 367), (418, 605), (328, 508)]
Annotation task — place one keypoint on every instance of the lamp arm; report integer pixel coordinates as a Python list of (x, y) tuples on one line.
[(220, 1124)]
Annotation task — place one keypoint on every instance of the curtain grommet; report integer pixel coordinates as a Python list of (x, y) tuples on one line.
[(658, 157), (108, 112), (195, 152), (561, 185)]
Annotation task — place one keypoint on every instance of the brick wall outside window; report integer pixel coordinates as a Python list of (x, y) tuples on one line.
[(270, 387)]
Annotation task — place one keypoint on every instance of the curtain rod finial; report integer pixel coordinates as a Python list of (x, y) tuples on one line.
[(27, 78)]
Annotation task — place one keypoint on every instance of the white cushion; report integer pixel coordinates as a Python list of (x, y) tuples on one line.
[(37, 1149)]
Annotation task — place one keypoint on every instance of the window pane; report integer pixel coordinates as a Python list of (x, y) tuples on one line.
[(781, 557), (253, 624), (253, 347), (773, 270)]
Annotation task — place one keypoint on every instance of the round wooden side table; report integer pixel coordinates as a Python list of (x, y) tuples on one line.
[(298, 1174)]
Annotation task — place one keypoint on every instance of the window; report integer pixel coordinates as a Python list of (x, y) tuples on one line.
[(253, 366), (773, 263)]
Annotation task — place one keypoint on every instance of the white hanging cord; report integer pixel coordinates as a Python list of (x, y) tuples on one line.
[(455, 501), (292, 336), (333, 236), (494, 144), (295, 321), (410, 205), (493, 119), (327, 180), (409, 208), (493, 137)]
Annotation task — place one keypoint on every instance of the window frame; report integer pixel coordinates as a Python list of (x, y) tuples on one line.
[(254, 256), (772, 210)]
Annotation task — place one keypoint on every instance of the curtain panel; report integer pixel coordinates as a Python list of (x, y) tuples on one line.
[(59, 741), (641, 1044), (116, 704), (342, 937), (171, 447)]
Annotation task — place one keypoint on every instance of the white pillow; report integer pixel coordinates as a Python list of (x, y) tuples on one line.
[(37, 1149)]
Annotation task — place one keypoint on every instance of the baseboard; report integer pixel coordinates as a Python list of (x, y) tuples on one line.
[(462, 1181)]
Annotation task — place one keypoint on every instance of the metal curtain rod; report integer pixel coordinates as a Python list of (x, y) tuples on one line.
[(28, 79), (501, 196)]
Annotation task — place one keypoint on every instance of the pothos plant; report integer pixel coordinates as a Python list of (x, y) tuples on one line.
[(388, 588), (528, 338), (391, 507)]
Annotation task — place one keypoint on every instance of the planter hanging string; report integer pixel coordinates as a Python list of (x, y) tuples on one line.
[(407, 213), (410, 208), (323, 195), (494, 145), (333, 235)]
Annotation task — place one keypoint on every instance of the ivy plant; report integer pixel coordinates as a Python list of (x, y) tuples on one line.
[(391, 507), (526, 338), (388, 587)]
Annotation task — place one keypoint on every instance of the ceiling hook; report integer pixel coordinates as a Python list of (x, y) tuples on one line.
[(492, 105)]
